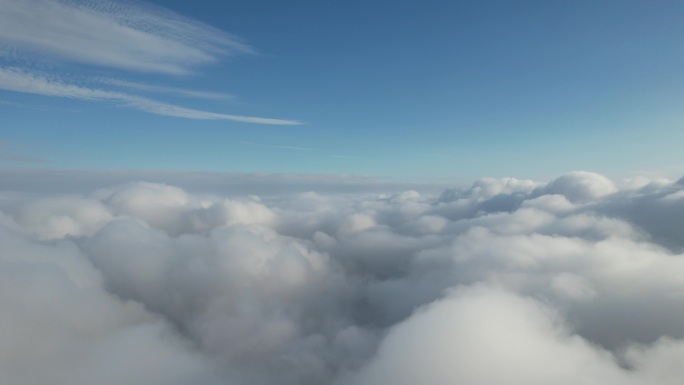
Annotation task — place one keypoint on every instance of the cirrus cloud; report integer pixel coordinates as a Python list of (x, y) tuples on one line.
[(127, 36)]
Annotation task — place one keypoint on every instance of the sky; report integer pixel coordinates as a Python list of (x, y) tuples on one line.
[(424, 92), (341, 193)]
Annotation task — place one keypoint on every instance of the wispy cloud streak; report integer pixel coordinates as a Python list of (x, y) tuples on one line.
[(124, 35), (291, 148), (14, 79), (19, 158), (128, 36), (5, 157), (164, 89)]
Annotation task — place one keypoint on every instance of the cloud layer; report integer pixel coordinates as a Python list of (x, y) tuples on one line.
[(574, 281)]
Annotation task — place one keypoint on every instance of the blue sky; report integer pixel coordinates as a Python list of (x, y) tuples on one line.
[(424, 91)]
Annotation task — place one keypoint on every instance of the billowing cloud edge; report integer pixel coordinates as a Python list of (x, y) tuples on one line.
[(569, 281)]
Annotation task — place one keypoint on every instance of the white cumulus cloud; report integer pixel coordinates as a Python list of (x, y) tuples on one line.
[(574, 281)]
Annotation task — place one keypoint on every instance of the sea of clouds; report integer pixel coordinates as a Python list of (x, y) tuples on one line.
[(576, 281)]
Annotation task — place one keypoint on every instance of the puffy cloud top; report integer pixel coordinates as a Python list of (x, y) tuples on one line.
[(576, 281), (580, 186)]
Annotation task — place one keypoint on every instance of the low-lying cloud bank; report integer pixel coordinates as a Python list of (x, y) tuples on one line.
[(575, 281)]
